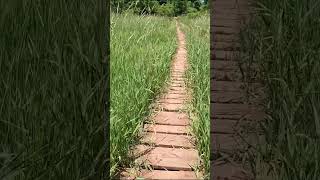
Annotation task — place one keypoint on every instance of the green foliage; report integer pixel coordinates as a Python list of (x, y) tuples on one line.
[(190, 8), (147, 6), (52, 89), (204, 7), (180, 7), (142, 48), (165, 9), (158, 7), (195, 14), (284, 41), (122, 5), (195, 4), (198, 45)]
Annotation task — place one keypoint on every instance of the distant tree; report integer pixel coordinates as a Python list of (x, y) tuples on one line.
[(196, 4), (180, 7), (160, 7), (121, 5), (166, 9), (146, 6)]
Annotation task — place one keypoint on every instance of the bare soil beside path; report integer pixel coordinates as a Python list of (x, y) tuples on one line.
[(167, 149)]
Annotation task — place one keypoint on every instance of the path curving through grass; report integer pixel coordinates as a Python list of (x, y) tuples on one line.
[(141, 52), (167, 148)]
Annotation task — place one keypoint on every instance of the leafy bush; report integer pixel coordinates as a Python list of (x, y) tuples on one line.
[(180, 7), (194, 13), (165, 10), (191, 10), (147, 6), (159, 7)]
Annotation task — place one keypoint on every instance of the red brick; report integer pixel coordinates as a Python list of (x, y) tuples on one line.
[(171, 158), (168, 140), (171, 118)]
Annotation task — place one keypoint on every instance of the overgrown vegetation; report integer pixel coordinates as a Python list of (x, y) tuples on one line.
[(141, 52), (284, 41), (198, 45), (52, 89), (160, 7), (149, 42)]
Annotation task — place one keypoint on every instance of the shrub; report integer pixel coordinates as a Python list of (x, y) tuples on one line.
[(165, 10), (147, 6)]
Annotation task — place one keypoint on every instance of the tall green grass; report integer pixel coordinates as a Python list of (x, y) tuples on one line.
[(141, 53), (198, 46), (52, 89), (284, 39)]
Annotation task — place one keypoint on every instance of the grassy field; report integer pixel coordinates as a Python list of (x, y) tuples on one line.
[(141, 51), (284, 40), (198, 45), (52, 89)]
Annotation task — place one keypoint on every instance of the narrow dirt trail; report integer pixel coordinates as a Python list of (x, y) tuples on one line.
[(167, 150), (234, 113)]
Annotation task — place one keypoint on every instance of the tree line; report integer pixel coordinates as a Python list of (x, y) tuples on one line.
[(160, 7)]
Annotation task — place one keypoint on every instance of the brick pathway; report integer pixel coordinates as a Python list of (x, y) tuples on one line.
[(167, 147), (233, 113)]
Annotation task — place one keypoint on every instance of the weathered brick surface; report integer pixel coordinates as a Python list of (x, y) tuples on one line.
[(168, 140), (229, 171), (228, 97), (225, 55), (171, 118), (220, 75), (171, 101), (167, 129), (155, 174), (233, 111), (171, 158), (166, 144)]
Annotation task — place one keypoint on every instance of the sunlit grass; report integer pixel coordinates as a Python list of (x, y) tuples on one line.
[(198, 45), (52, 90), (284, 40), (141, 52)]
